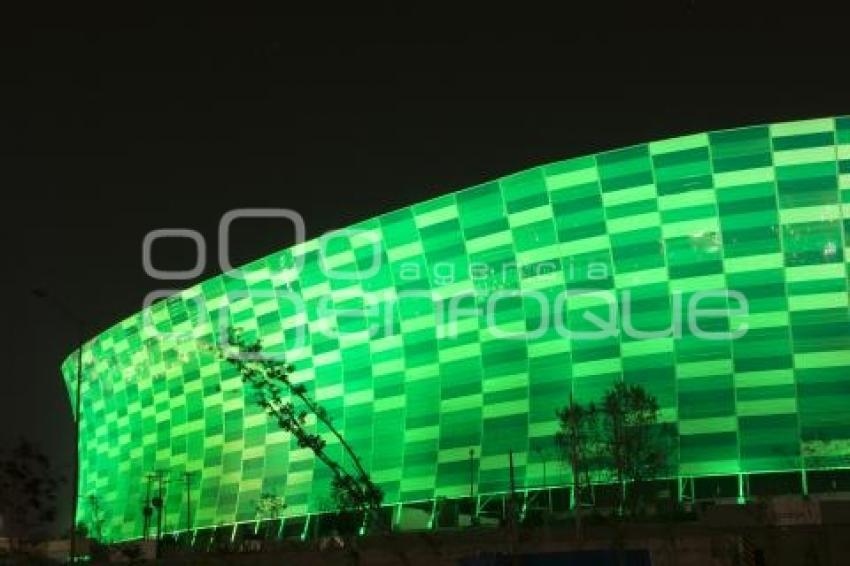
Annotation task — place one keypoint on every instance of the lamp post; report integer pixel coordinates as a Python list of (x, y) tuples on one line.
[(80, 327)]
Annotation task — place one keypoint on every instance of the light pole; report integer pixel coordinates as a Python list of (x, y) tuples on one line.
[(159, 503), (78, 322)]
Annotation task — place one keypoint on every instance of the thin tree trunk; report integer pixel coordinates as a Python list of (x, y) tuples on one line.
[(322, 416)]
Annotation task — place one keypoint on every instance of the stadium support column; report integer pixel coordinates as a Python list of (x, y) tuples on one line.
[(188, 478), (75, 489), (512, 507), (473, 508), (147, 510), (741, 497)]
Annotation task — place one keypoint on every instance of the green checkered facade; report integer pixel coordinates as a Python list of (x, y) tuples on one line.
[(762, 210)]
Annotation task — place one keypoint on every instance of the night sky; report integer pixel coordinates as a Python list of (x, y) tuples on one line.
[(115, 124)]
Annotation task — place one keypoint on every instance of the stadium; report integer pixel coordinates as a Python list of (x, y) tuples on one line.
[(442, 338)]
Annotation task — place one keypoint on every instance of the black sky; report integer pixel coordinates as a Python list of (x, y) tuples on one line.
[(115, 124)]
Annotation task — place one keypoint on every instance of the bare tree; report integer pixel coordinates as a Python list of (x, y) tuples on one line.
[(269, 506), (578, 440), (635, 443), (96, 513), (290, 405), (28, 487)]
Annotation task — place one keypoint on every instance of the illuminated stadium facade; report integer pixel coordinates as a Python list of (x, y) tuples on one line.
[(763, 211)]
